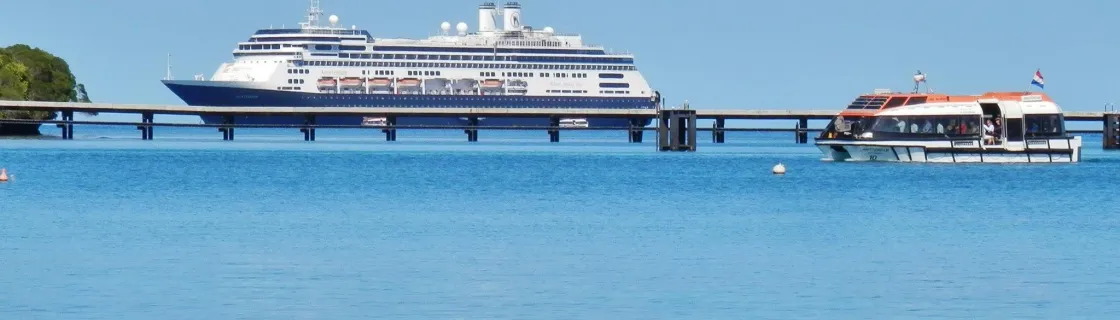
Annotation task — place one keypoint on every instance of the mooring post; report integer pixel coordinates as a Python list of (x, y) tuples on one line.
[(227, 129), (67, 126), (1111, 135), (677, 131), (472, 129), (803, 133), (146, 118), (663, 130), (635, 131), (308, 129), (553, 129), (390, 128), (717, 131)]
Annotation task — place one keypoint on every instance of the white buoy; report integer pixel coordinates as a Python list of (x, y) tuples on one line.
[(779, 169), (3, 175)]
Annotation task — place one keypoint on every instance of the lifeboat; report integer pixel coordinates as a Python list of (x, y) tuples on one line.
[(491, 83), (328, 82), (995, 127), (379, 82), (351, 82), (408, 82)]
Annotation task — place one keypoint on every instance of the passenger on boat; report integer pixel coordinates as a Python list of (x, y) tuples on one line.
[(989, 132), (927, 127)]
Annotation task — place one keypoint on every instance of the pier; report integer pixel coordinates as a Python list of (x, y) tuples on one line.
[(676, 128)]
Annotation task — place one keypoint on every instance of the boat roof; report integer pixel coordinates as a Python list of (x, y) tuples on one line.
[(871, 104)]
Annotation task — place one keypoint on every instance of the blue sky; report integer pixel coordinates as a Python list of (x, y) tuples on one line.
[(717, 54)]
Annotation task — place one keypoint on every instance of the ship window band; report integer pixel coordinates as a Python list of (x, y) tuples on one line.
[(614, 85)]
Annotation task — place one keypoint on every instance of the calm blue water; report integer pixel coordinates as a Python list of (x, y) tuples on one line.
[(432, 227)]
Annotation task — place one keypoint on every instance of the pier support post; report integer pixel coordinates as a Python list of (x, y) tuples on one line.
[(227, 131), (147, 118), (635, 131), (553, 129), (803, 130), (717, 131), (1111, 135), (68, 125), (308, 129), (677, 130), (390, 128), (472, 129)]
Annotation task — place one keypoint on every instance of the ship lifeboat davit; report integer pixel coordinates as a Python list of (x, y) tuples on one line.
[(437, 86), (464, 84)]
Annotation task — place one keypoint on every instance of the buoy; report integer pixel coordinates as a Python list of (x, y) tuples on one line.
[(3, 175), (779, 169)]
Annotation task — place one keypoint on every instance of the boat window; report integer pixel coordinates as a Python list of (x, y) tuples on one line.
[(1044, 125), (930, 127), (916, 100), (867, 102), (1014, 129), (894, 102)]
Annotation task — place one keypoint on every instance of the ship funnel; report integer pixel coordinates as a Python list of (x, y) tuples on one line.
[(487, 13), (512, 13)]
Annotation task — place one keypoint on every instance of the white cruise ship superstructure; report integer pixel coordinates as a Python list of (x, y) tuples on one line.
[(512, 66)]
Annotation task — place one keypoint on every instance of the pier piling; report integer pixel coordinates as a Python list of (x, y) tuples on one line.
[(676, 130), (1111, 135), (67, 126), (390, 129), (553, 130), (635, 132), (717, 131), (803, 130), (472, 129), (146, 130), (227, 131), (309, 130)]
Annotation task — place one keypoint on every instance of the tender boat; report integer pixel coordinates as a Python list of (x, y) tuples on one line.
[(913, 127), (573, 123)]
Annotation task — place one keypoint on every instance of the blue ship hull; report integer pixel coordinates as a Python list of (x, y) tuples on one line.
[(203, 95)]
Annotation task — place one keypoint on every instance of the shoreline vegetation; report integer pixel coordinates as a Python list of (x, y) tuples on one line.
[(32, 74)]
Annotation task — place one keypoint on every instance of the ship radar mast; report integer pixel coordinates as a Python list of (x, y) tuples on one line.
[(313, 14)]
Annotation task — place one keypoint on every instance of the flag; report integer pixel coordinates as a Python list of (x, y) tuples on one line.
[(1037, 79)]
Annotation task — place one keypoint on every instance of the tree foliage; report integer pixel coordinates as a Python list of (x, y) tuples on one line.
[(32, 74)]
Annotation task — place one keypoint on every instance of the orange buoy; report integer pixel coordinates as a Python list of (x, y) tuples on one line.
[(3, 175)]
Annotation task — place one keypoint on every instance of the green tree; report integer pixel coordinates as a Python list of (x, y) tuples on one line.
[(33, 74)]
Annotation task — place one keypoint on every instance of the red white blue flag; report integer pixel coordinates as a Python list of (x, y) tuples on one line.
[(1037, 79)]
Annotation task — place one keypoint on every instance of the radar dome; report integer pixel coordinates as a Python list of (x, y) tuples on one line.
[(333, 19), (462, 28), (445, 26), (549, 30)]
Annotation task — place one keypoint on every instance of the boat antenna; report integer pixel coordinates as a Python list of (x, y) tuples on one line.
[(168, 76), (313, 14)]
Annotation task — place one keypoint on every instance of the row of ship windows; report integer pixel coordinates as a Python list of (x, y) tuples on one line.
[(484, 58), (463, 65), (458, 98), (265, 46), (295, 81), (298, 71), (453, 57), (614, 92), (288, 88), (567, 91)]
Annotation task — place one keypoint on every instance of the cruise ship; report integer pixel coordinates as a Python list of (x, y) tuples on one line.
[(514, 66)]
